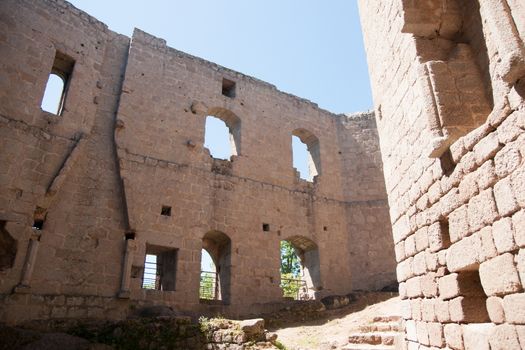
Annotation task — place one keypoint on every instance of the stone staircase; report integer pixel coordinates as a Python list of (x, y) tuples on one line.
[(379, 334)]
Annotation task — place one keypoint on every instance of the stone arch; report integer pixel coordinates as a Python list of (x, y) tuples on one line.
[(218, 246), (314, 153), (233, 122), (308, 253)]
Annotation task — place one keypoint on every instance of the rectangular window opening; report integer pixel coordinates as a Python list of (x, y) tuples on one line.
[(57, 84), (228, 88), (160, 267)]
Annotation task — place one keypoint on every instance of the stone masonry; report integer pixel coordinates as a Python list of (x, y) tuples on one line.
[(121, 171), (448, 80)]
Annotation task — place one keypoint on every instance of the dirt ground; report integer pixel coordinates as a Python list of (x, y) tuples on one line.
[(331, 332)]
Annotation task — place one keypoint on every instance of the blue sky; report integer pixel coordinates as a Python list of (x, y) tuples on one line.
[(309, 48)]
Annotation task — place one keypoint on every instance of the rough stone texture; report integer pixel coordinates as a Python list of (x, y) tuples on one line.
[(448, 80), (129, 141)]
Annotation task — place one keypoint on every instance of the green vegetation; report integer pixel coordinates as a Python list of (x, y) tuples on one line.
[(290, 270)]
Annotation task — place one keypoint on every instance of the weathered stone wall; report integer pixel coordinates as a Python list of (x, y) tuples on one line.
[(447, 79), (130, 141)]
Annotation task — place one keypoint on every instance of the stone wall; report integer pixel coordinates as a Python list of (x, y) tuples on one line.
[(95, 180), (448, 87)]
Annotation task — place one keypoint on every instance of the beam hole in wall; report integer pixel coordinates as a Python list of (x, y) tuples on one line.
[(228, 88), (445, 233), (8, 248), (306, 154), (38, 224), (447, 163), (474, 304), (266, 227), (57, 84), (215, 279), (160, 268), (300, 268), (165, 210)]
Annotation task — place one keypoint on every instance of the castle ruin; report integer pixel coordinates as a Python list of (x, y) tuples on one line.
[(119, 172)]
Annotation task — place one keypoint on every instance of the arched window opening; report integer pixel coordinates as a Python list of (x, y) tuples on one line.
[(222, 134), (57, 84), (209, 288), (215, 267), (306, 156), (300, 269)]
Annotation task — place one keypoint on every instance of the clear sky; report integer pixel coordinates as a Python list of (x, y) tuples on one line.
[(310, 48)]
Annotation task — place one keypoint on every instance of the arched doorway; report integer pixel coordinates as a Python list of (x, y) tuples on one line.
[(300, 268), (216, 259)]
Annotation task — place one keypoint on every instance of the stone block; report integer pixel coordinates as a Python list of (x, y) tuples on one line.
[(454, 336), (429, 286), (410, 245), (411, 330), (488, 248), (482, 210), (518, 223), (487, 148), (499, 276), (458, 224), (436, 335), (450, 201), (414, 287), (415, 306), (507, 160), (518, 185), (441, 310), (495, 310), (476, 336), (422, 238), (505, 201), (419, 266), (514, 306), (432, 261), (438, 236), (422, 333), (399, 249), (404, 270), (486, 175), (504, 337), (406, 309), (520, 263), (464, 255), (503, 234), (468, 309), (427, 310)]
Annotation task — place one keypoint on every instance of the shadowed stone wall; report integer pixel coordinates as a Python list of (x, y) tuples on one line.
[(448, 86)]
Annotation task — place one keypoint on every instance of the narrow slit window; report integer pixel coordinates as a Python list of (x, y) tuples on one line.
[(57, 84)]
